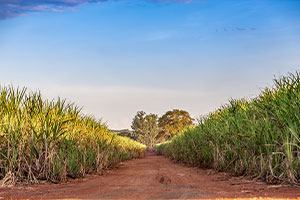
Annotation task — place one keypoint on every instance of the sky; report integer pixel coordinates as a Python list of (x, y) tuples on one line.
[(117, 57)]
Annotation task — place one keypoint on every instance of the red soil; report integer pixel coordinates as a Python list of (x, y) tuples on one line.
[(153, 177)]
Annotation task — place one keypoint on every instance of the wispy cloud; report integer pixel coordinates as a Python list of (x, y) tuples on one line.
[(226, 29), (160, 35), (13, 8), (184, 1)]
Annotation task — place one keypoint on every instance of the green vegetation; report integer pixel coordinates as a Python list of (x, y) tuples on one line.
[(52, 140), (149, 129), (145, 128), (258, 137), (124, 133), (173, 122)]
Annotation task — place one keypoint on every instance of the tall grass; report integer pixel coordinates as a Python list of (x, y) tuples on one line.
[(52, 140), (257, 137)]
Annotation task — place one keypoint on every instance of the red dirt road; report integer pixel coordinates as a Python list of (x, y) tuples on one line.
[(153, 177)]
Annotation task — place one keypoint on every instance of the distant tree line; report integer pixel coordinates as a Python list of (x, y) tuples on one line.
[(150, 129), (124, 133)]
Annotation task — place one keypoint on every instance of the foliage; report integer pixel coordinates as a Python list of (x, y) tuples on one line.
[(124, 133), (173, 122), (258, 137), (52, 140), (145, 128)]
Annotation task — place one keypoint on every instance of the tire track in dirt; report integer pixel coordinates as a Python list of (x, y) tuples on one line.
[(153, 177)]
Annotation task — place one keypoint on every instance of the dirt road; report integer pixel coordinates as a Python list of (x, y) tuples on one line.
[(153, 177)]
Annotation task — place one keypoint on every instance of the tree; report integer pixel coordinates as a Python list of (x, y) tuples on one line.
[(138, 124), (172, 122), (145, 128)]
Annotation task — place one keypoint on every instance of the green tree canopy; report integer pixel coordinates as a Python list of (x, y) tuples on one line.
[(145, 128), (172, 122)]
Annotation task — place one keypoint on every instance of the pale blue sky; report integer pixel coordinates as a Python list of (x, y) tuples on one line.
[(116, 57)]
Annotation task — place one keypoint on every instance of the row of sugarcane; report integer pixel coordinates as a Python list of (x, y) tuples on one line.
[(53, 141), (258, 137)]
